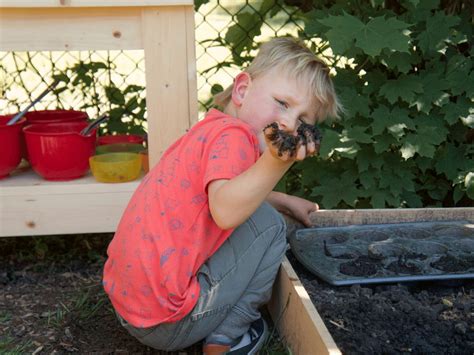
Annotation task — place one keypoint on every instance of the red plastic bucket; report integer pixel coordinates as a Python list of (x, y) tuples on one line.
[(57, 151), (11, 144)]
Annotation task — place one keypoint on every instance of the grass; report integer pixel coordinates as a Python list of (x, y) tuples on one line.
[(8, 346)]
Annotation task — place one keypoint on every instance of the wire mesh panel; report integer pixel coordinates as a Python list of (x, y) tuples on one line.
[(113, 82)]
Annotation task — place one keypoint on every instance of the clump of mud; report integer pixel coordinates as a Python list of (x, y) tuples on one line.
[(288, 143)]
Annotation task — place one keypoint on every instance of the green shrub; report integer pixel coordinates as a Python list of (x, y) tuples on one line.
[(404, 74)]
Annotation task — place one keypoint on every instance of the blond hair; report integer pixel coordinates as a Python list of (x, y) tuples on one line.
[(299, 61)]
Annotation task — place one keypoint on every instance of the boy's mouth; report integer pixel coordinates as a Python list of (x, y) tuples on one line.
[(286, 142)]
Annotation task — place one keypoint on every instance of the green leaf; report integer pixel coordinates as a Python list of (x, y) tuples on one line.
[(61, 77), (411, 199), (394, 121), (400, 60), (430, 133), (374, 81), (354, 102), (114, 95), (412, 146), (369, 177), (380, 33), (216, 88), (240, 36), (423, 164), (313, 26), (427, 4), (469, 184), (458, 193), (343, 31), (448, 161), (358, 134), (364, 158), (133, 89), (459, 74), (378, 199), (433, 91), (405, 88), (346, 191), (437, 32), (383, 143), (469, 120), (132, 104), (439, 190), (330, 141), (377, 34), (455, 111)]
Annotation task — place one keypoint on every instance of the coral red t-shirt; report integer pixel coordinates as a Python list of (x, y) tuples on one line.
[(167, 232)]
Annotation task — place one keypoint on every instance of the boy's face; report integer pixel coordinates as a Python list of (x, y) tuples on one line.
[(273, 97)]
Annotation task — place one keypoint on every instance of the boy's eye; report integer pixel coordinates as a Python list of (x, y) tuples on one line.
[(282, 103)]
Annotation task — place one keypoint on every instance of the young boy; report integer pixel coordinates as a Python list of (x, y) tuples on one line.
[(199, 245)]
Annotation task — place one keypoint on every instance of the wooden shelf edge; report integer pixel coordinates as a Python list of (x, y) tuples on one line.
[(30, 205), (28, 184), (91, 3)]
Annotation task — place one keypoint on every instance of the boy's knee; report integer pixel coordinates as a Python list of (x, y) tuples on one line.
[(267, 217)]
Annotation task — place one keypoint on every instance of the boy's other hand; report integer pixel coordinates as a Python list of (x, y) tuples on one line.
[(300, 209), (288, 147)]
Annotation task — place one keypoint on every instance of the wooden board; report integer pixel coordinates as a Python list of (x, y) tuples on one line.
[(170, 76), (91, 3), (332, 218), (30, 205), (296, 318)]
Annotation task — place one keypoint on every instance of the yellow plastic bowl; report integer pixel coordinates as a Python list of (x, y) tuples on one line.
[(116, 167)]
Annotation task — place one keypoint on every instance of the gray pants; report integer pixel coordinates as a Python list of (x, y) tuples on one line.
[(235, 282)]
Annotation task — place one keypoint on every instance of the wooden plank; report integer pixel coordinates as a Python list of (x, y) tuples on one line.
[(30, 205), (91, 3), (166, 64), (70, 29), (192, 73), (49, 214), (296, 318), (328, 218), (27, 183)]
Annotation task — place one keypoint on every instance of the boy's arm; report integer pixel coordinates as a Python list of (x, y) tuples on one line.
[(233, 201)]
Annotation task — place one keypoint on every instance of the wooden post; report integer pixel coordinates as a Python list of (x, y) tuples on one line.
[(170, 75)]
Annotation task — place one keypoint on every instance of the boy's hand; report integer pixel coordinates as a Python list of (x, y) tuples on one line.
[(300, 209), (288, 147)]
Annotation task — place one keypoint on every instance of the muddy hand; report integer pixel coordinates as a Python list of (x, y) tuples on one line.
[(311, 138), (281, 144)]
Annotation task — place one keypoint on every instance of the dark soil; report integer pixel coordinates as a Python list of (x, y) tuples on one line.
[(287, 143), (52, 301), (415, 318)]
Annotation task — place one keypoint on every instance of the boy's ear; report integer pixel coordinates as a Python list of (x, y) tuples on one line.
[(241, 84)]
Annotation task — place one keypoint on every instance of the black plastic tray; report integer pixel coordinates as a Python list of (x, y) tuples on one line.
[(386, 253)]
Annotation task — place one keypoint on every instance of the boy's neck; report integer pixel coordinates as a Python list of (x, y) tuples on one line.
[(231, 110)]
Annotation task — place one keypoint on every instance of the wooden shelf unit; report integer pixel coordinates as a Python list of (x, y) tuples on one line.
[(164, 29)]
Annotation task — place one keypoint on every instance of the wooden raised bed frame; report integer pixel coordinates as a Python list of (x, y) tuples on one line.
[(294, 314)]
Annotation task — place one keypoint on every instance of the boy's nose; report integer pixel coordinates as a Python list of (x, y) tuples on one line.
[(288, 124)]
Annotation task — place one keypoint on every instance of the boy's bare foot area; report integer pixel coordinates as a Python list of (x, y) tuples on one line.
[(288, 144)]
